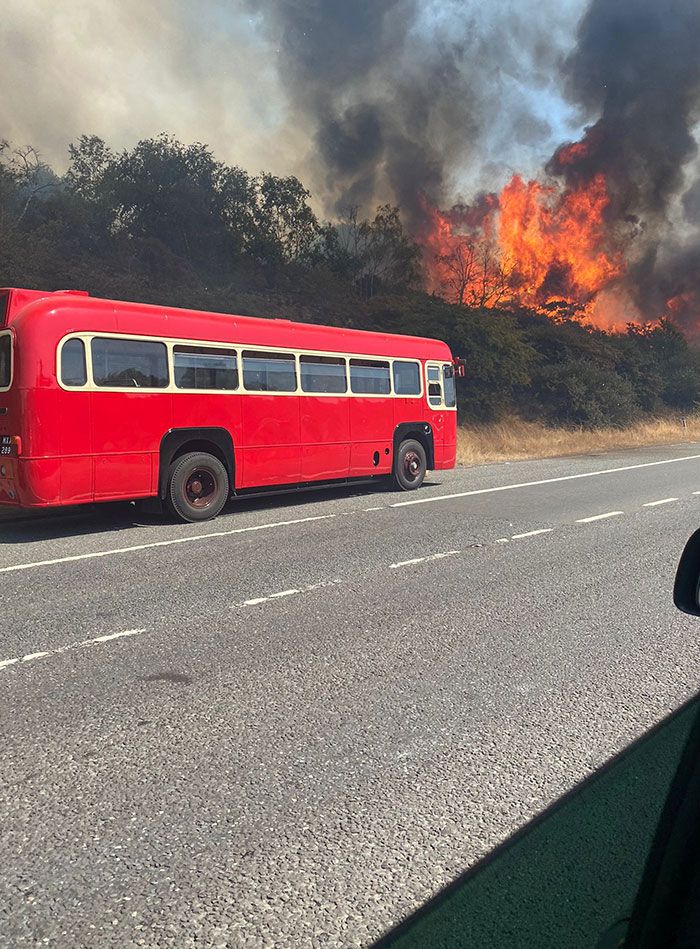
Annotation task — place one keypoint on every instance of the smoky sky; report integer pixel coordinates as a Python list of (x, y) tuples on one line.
[(367, 101), (636, 70), (129, 70), (378, 101), (402, 97)]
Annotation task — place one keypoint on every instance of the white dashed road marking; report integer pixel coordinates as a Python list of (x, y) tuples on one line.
[(255, 601), (542, 530), (410, 563), (662, 501), (599, 517), (4, 663)]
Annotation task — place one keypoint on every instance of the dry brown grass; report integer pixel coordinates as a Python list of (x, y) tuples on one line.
[(514, 439)]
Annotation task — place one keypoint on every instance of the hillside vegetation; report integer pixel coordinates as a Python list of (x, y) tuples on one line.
[(168, 223)]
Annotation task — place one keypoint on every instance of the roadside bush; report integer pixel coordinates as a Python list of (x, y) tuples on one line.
[(582, 393)]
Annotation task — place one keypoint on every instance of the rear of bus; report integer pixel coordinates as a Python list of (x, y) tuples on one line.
[(25, 421), (10, 442)]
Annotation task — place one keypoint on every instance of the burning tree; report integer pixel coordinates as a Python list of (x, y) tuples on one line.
[(474, 273)]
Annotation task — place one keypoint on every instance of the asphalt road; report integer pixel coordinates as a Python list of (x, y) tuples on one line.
[(292, 725)]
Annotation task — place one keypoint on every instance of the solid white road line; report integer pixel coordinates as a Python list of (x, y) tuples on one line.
[(656, 503), (542, 530), (162, 543), (410, 563), (598, 517), (80, 645), (531, 484)]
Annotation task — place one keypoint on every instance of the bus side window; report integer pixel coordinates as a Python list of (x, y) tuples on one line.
[(323, 374), (129, 363), (370, 377), (73, 365), (269, 372), (406, 378), (5, 360), (201, 367)]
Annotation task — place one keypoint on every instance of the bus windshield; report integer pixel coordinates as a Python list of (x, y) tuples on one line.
[(5, 356)]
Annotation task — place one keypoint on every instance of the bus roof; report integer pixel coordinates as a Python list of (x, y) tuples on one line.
[(76, 311)]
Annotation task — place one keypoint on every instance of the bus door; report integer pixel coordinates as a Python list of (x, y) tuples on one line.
[(435, 394)]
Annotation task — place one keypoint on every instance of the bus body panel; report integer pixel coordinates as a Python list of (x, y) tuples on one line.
[(126, 429), (76, 447), (81, 445), (271, 450), (211, 410), (371, 432), (325, 437)]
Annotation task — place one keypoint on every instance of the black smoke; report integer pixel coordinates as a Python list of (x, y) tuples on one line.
[(637, 66), (636, 71)]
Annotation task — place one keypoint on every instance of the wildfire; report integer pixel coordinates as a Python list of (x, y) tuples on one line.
[(542, 246), (551, 245)]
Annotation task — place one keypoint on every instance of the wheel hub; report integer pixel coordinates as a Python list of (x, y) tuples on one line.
[(411, 465), (200, 488)]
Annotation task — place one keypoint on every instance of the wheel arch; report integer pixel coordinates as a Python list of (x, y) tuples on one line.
[(422, 432), (181, 441)]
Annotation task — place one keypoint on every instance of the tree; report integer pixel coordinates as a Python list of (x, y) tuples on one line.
[(374, 255), (90, 162), (459, 268), (24, 177), (180, 196), (286, 228)]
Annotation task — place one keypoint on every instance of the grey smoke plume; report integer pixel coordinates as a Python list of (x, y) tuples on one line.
[(401, 95)]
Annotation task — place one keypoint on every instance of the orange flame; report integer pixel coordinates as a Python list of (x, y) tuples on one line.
[(553, 242), (544, 246)]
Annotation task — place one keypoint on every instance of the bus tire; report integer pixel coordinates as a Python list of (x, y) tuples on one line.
[(409, 465), (198, 487)]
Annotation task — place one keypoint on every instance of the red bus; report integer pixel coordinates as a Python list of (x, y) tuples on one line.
[(103, 400)]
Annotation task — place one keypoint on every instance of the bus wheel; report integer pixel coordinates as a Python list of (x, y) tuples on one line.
[(409, 465), (198, 487)]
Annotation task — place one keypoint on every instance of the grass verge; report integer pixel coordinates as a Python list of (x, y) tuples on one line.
[(515, 439)]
